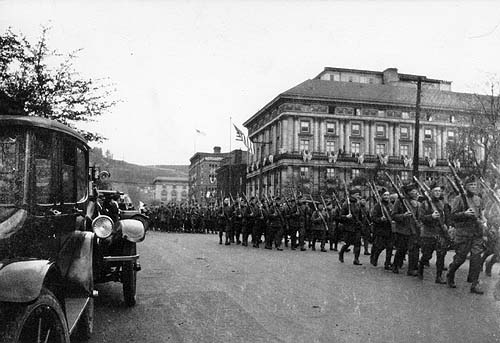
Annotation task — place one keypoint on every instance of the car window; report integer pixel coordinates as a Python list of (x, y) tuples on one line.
[(43, 166), (12, 159)]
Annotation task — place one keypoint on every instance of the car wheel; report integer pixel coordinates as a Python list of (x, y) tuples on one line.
[(40, 321), (129, 275)]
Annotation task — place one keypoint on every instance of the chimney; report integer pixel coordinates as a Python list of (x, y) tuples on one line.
[(216, 149), (391, 76)]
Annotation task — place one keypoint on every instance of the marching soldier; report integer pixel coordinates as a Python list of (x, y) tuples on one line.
[(434, 234), (382, 230), (319, 226), (237, 221), (351, 218), (305, 219), (469, 221), (259, 223), (275, 226), (366, 225), (248, 219), (407, 230), (293, 215)]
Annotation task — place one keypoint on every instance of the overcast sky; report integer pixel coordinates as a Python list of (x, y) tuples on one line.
[(179, 66)]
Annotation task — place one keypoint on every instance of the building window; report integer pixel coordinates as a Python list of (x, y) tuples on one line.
[(428, 151), (380, 131), (380, 149), (305, 126), (405, 175), (330, 146), (355, 148), (330, 128), (173, 194), (358, 112), (427, 134), (304, 172), (380, 113), (452, 119), (405, 115), (404, 132), (451, 136), (404, 150), (304, 145), (330, 173), (355, 173), (355, 129)]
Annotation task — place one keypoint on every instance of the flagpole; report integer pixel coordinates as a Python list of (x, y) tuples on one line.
[(230, 157)]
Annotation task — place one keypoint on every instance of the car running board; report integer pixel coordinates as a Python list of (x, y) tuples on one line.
[(130, 258)]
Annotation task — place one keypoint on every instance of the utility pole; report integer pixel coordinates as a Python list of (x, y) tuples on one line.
[(416, 139)]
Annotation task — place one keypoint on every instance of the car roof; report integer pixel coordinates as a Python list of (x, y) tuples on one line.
[(32, 121)]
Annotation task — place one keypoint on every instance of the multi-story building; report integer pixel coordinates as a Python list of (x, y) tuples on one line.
[(231, 175), (202, 178), (168, 189), (346, 123)]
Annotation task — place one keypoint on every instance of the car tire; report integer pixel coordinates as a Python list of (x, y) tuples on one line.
[(129, 276), (39, 321)]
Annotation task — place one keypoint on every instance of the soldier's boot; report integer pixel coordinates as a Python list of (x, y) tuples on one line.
[(475, 288), (303, 248), (331, 246), (450, 280), (357, 252), (420, 271), (395, 268), (489, 266), (439, 278), (336, 247), (341, 254)]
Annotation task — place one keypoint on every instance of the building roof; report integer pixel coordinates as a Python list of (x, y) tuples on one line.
[(323, 90), (171, 179)]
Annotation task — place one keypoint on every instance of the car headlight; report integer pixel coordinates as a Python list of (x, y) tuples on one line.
[(102, 226)]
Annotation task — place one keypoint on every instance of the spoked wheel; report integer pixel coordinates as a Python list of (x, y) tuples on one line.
[(39, 322), (129, 275)]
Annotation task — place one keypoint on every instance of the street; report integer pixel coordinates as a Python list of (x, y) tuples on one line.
[(191, 289)]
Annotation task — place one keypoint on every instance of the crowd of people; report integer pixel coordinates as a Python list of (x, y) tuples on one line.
[(404, 226)]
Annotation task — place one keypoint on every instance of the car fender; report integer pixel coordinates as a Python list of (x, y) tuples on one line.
[(132, 230), (21, 280), (75, 260)]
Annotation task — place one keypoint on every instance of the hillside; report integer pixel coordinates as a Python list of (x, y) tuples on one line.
[(122, 171)]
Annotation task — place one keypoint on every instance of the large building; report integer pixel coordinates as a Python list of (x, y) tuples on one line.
[(346, 123), (231, 175), (170, 189), (202, 178)]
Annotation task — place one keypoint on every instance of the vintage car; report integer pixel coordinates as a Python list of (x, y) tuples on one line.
[(118, 235), (46, 255), (57, 239)]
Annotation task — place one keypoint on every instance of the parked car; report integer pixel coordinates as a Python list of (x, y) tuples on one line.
[(46, 255)]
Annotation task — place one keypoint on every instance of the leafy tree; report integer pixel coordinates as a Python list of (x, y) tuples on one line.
[(38, 81)]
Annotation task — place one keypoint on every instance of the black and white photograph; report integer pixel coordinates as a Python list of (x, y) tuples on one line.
[(250, 171)]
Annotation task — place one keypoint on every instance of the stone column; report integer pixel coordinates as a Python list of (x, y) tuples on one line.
[(341, 133), (390, 135), (367, 137), (397, 137), (372, 138), (322, 132), (296, 125), (439, 142)]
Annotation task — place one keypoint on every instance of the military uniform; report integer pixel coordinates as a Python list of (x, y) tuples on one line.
[(274, 227), (382, 234), (468, 237), (351, 217), (406, 233), (319, 227)]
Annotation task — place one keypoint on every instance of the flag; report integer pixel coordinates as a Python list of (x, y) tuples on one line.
[(200, 132), (240, 136)]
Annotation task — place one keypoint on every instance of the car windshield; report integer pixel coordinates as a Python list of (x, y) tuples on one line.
[(12, 158)]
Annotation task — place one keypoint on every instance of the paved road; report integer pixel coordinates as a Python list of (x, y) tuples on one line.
[(192, 289)]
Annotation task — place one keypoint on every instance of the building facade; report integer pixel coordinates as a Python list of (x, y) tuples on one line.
[(231, 175), (347, 123), (202, 176), (170, 189)]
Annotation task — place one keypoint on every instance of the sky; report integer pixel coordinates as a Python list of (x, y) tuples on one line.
[(182, 66)]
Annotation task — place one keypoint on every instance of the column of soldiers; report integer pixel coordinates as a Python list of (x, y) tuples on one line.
[(408, 227)]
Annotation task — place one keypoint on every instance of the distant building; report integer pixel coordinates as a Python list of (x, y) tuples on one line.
[(231, 175), (346, 123), (167, 189), (202, 178)]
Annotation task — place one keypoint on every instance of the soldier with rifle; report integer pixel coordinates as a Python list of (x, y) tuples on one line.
[(248, 220), (434, 234), (237, 221), (259, 222), (336, 226), (319, 225), (406, 213), (382, 227), (275, 225), (294, 221), (351, 217), (467, 214)]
